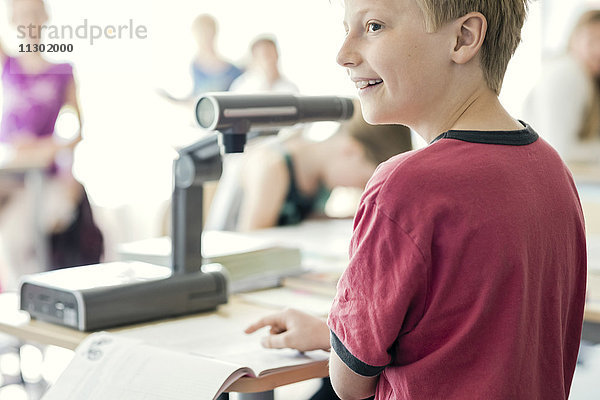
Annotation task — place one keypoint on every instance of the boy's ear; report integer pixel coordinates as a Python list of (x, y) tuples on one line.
[(469, 33)]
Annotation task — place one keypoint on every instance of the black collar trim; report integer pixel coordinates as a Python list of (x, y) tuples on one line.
[(520, 137)]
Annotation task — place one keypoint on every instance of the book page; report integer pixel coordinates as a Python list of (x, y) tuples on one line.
[(108, 366), (220, 337)]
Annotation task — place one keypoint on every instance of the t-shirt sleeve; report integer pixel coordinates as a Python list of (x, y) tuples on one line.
[(380, 296)]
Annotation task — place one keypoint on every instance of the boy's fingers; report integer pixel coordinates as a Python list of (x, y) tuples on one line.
[(274, 341), (271, 320), (253, 328), (276, 330)]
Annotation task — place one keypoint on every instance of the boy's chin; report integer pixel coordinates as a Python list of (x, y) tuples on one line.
[(374, 116)]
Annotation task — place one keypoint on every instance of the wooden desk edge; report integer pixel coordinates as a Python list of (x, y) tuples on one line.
[(592, 314), (272, 380), (45, 333)]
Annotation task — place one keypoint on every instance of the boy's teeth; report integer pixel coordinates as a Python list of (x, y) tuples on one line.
[(364, 84)]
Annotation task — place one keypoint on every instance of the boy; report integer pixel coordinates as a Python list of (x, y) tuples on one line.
[(468, 264)]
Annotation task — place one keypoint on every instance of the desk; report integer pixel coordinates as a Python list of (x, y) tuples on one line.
[(592, 310), (17, 323), (33, 164), (592, 314), (585, 172)]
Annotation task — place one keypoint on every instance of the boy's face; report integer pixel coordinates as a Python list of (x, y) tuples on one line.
[(398, 68)]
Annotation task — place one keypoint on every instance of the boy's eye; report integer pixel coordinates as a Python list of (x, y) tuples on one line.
[(373, 26)]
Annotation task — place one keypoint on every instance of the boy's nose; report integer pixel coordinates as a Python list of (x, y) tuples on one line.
[(347, 56)]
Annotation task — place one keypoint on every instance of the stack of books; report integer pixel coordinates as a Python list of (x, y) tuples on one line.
[(252, 263)]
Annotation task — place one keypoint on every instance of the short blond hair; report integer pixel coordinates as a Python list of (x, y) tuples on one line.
[(505, 19)]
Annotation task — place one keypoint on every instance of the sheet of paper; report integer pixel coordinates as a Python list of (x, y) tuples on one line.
[(288, 297), (114, 367), (325, 239)]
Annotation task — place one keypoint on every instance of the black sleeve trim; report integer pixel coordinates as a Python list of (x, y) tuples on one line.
[(352, 362)]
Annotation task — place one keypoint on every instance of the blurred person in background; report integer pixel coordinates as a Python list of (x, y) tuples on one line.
[(565, 103), (35, 93), (263, 74), (289, 179), (210, 71)]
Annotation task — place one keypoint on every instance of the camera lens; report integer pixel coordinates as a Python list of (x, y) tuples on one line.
[(205, 113)]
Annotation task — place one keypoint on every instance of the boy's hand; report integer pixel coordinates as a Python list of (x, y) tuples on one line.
[(294, 329)]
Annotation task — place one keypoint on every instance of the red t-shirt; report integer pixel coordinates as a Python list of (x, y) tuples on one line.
[(467, 272)]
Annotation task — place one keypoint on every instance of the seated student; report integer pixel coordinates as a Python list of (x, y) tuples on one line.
[(287, 181), (36, 91), (467, 269), (565, 103)]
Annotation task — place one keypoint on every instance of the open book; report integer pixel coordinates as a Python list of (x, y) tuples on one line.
[(190, 359)]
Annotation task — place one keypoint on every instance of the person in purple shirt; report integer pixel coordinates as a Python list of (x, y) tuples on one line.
[(35, 92), (34, 89)]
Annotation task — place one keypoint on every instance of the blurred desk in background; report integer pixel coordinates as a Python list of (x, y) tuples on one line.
[(592, 310), (324, 246), (588, 184), (586, 172)]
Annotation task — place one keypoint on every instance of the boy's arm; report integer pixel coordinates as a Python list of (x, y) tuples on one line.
[(380, 297), (349, 385)]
